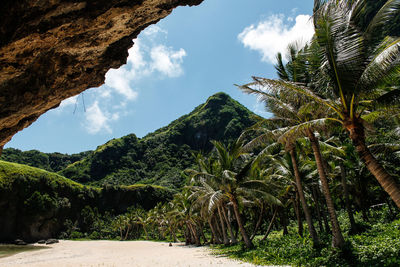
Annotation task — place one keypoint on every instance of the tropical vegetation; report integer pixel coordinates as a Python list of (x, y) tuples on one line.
[(316, 184)]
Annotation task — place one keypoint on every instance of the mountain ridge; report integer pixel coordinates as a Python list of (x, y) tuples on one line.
[(161, 156)]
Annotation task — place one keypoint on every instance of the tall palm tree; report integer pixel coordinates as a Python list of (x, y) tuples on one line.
[(285, 166), (266, 136), (355, 65), (292, 110)]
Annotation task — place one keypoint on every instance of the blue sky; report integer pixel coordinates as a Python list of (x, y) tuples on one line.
[(174, 66)]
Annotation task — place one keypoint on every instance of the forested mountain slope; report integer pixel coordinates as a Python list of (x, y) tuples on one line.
[(158, 158), (52, 162)]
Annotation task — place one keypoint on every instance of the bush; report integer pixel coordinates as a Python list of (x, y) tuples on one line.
[(378, 246), (76, 235)]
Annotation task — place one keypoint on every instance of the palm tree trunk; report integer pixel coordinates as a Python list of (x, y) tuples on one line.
[(357, 135), (228, 223), (203, 235), (1, 150), (224, 236), (361, 197), (317, 207), (270, 224), (337, 237), (217, 231), (145, 232), (246, 238), (323, 212), (214, 236), (258, 224), (284, 221), (174, 235), (194, 233), (306, 210), (353, 225), (392, 215), (296, 207), (127, 232), (188, 236)]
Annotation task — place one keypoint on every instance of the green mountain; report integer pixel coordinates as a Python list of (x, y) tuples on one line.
[(160, 157), (122, 173)]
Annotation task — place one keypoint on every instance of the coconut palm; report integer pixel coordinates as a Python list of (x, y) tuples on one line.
[(292, 111), (356, 64), (207, 196), (233, 181), (265, 137), (286, 167), (182, 212), (289, 110)]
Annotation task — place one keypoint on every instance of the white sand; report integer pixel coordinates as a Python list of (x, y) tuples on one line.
[(116, 253)]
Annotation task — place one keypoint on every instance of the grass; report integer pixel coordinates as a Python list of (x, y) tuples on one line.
[(379, 245), (138, 186), (9, 250), (10, 171)]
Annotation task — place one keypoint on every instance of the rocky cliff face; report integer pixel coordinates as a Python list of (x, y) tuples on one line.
[(53, 49)]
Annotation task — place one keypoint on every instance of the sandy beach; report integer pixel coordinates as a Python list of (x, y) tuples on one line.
[(116, 253)]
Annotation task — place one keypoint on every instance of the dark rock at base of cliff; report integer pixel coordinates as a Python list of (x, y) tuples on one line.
[(20, 242)]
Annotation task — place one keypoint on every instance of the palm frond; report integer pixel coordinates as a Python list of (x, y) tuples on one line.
[(389, 99), (384, 67), (389, 11), (299, 88)]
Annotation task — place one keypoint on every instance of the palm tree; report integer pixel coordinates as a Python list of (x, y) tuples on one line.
[(292, 110), (182, 212), (207, 196), (284, 166), (355, 65), (232, 179)]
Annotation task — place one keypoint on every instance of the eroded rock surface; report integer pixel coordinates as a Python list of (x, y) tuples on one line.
[(53, 49)]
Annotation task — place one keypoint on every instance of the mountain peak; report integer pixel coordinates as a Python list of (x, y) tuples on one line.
[(220, 98), (160, 157)]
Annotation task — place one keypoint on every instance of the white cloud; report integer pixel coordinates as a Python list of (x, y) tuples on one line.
[(120, 80), (96, 120), (149, 58), (136, 58), (167, 61), (272, 35), (144, 61), (68, 102), (154, 30)]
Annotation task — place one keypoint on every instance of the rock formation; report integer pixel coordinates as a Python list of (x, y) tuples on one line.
[(53, 49)]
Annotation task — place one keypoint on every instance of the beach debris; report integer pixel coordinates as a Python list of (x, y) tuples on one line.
[(19, 242), (51, 241)]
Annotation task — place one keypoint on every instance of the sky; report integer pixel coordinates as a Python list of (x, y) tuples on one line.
[(174, 66)]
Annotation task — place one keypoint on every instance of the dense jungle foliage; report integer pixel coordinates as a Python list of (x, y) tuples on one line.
[(37, 204), (52, 162)]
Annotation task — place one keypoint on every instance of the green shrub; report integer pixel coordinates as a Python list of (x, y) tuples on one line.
[(378, 246), (76, 235)]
